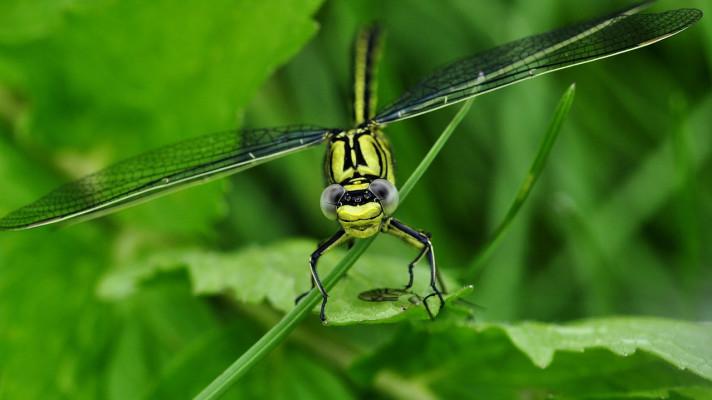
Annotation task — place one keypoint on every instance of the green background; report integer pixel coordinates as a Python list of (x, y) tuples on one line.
[(620, 223)]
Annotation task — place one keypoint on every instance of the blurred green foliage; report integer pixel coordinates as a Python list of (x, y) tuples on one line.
[(619, 223)]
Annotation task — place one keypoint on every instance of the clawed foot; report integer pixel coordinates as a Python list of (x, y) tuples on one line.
[(322, 314), (427, 307)]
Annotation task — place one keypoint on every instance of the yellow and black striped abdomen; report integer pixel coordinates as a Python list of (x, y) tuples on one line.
[(358, 156)]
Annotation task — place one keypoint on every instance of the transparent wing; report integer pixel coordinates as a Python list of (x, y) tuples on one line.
[(537, 55), (163, 170)]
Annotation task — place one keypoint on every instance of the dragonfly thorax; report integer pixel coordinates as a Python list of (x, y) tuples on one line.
[(358, 156)]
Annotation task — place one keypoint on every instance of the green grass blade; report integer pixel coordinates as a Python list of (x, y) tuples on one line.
[(562, 109), (281, 330)]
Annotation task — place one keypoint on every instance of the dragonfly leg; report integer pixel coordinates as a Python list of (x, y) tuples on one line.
[(417, 259), (323, 247), (420, 240)]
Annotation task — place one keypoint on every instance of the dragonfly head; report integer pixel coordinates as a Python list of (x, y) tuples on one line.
[(360, 209)]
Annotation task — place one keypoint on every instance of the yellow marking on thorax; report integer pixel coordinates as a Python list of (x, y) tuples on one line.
[(334, 163), (373, 155)]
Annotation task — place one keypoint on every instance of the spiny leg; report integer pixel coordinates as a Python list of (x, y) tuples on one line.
[(421, 241), (417, 259), (323, 247)]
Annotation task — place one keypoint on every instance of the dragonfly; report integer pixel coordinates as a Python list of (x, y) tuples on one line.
[(361, 194)]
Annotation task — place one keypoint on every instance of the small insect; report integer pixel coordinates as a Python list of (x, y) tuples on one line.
[(361, 193), (389, 294)]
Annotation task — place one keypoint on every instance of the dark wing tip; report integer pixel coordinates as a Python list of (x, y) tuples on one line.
[(694, 14), (686, 17)]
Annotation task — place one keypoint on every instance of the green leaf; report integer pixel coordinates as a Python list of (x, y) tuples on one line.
[(166, 331), (598, 358), (687, 345), (288, 374), (157, 324), (269, 273), (128, 76), (53, 334), (123, 77)]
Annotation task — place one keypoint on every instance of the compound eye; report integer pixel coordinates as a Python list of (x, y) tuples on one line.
[(330, 198), (386, 193)]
